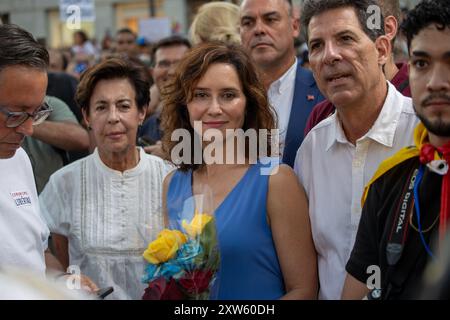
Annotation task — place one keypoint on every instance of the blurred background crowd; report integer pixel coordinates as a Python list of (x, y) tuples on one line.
[(84, 38), (101, 31)]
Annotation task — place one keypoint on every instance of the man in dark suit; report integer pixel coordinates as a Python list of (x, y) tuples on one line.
[(268, 29)]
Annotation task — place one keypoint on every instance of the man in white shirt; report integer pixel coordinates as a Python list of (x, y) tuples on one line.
[(23, 82), (373, 121), (268, 29)]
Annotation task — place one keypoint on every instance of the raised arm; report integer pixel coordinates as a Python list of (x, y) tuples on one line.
[(62, 129), (64, 135)]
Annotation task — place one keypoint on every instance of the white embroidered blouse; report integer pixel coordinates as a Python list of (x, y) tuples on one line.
[(109, 217)]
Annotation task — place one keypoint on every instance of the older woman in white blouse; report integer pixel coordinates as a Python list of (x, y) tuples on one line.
[(96, 207)]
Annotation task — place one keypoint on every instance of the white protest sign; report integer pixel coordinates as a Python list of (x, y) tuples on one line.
[(154, 29)]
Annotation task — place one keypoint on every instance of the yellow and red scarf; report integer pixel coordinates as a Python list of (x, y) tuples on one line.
[(426, 153)]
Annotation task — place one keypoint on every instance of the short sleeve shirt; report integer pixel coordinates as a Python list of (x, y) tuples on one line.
[(376, 223)]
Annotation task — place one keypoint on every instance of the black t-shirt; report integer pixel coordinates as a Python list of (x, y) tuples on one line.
[(376, 223)]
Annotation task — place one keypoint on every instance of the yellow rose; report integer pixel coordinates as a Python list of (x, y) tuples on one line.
[(195, 227), (164, 246)]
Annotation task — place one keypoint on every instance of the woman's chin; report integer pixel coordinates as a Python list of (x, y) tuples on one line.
[(116, 148)]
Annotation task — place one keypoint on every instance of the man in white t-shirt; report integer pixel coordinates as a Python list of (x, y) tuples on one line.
[(23, 82)]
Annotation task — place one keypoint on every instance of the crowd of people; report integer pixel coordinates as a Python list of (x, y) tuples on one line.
[(347, 196)]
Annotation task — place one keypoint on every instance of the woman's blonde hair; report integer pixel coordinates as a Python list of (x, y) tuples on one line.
[(216, 21)]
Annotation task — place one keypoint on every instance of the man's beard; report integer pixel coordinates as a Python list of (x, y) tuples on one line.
[(437, 127)]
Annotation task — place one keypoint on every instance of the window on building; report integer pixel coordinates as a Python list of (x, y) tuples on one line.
[(129, 14)]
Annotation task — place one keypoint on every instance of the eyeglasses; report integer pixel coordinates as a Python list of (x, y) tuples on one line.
[(15, 119)]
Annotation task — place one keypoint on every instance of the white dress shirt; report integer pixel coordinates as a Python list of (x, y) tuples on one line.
[(334, 172), (109, 217), (23, 232), (281, 94)]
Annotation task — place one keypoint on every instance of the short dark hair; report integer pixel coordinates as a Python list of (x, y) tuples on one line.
[(114, 68), (82, 34), (425, 13), (171, 41), (289, 2), (126, 30), (139, 63), (19, 47), (312, 8)]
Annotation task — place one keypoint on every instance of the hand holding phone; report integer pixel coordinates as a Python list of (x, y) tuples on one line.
[(104, 292)]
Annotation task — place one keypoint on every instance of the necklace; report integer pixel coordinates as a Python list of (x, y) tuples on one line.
[(427, 229)]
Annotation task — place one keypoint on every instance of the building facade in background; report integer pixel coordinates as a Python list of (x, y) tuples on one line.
[(42, 17)]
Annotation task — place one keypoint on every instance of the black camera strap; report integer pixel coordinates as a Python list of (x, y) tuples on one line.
[(399, 230)]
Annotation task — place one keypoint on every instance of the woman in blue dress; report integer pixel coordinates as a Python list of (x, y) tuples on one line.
[(261, 211)]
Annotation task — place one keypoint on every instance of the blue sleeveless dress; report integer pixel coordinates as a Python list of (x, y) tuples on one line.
[(249, 263)]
